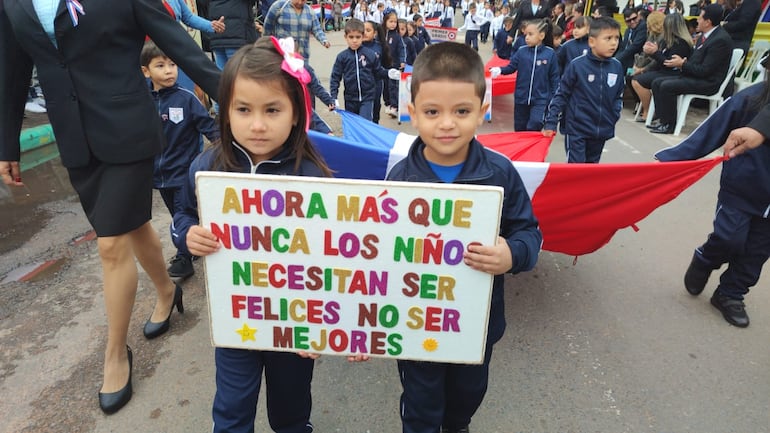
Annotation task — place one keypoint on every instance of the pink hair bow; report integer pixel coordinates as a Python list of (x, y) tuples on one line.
[(294, 65)]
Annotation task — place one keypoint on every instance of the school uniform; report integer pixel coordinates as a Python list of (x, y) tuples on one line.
[(589, 98), (741, 235), (501, 46), (239, 371), (536, 82), (571, 50), (447, 395), (358, 70)]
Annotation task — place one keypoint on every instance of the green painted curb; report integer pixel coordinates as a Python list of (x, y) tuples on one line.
[(38, 145)]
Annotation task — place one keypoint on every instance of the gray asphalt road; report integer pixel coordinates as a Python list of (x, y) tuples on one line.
[(610, 343)]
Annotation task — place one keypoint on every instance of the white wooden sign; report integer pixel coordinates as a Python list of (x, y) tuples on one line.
[(338, 266)]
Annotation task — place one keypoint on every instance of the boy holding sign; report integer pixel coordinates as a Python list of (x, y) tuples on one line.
[(447, 106)]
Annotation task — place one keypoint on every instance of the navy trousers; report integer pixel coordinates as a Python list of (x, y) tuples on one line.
[(583, 149), (438, 394), (529, 117), (364, 109), (743, 242), (239, 377)]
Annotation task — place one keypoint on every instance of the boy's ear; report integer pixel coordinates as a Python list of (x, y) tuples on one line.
[(483, 112), (410, 108), (146, 72)]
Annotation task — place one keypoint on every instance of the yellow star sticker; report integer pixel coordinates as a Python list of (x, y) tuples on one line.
[(247, 333)]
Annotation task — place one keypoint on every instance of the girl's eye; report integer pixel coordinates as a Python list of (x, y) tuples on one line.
[(242, 109)]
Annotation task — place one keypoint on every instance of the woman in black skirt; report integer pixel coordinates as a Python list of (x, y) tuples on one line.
[(108, 132)]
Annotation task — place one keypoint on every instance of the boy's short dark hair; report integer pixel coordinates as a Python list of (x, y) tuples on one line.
[(508, 20), (150, 51), (449, 61), (600, 24), (354, 25)]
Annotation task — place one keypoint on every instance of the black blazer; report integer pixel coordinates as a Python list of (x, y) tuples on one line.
[(524, 13), (98, 101), (709, 62)]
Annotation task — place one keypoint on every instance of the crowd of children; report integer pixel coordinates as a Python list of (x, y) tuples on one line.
[(263, 123)]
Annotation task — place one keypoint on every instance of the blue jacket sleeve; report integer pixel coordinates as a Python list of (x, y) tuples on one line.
[(519, 227), (559, 101), (187, 216), (204, 123), (706, 138), (554, 75), (336, 77), (512, 66), (192, 20), (317, 88)]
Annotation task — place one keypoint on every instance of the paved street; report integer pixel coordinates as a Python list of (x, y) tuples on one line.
[(608, 343)]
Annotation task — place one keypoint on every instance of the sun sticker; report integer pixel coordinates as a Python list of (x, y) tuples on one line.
[(430, 344)]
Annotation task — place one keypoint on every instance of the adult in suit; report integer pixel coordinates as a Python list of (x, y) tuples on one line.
[(108, 132), (741, 22), (633, 39), (703, 72), (529, 10)]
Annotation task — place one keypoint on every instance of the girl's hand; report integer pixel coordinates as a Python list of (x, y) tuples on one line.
[(548, 133), (219, 25), (493, 260), (201, 242), (358, 358)]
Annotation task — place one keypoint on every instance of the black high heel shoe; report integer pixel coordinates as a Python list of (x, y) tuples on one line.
[(153, 329), (111, 402)]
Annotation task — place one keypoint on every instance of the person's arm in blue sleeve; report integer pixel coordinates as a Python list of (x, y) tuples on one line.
[(708, 136), (519, 227), (336, 77), (187, 215), (204, 123), (554, 75), (559, 101), (512, 66), (192, 20), (317, 88)]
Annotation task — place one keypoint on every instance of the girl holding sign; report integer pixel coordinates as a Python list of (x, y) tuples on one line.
[(264, 121)]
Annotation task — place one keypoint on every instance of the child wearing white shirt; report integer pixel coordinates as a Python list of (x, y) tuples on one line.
[(472, 26)]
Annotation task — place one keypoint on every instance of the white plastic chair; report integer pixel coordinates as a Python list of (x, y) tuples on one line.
[(683, 102), (748, 74)]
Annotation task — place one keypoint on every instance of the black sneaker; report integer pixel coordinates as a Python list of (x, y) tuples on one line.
[(181, 267), (697, 276), (733, 310)]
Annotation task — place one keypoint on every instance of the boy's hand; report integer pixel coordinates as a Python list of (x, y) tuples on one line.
[(358, 358), (201, 242), (493, 260), (495, 72), (548, 133), (309, 355)]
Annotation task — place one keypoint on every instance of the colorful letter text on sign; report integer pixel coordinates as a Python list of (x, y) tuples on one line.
[(345, 267)]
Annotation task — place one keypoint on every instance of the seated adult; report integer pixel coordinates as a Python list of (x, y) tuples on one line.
[(633, 38), (675, 41), (701, 73)]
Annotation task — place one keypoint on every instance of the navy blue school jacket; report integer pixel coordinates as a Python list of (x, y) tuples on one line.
[(359, 71), (184, 119), (590, 97), (745, 181), (571, 50), (518, 224), (538, 76)]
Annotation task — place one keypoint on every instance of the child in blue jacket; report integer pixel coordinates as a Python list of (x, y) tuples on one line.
[(359, 68), (590, 96), (538, 76), (184, 119), (441, 396), (741, 236)]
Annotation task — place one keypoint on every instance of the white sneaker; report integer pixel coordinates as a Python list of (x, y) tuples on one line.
[(34, 107)]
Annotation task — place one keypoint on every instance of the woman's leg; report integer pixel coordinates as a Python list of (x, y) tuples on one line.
[(645, 95), (120, 280), (147, 248)]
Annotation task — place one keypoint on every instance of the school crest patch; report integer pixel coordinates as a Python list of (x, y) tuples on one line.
[(612, 79), (591, 78), (175, 114)]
